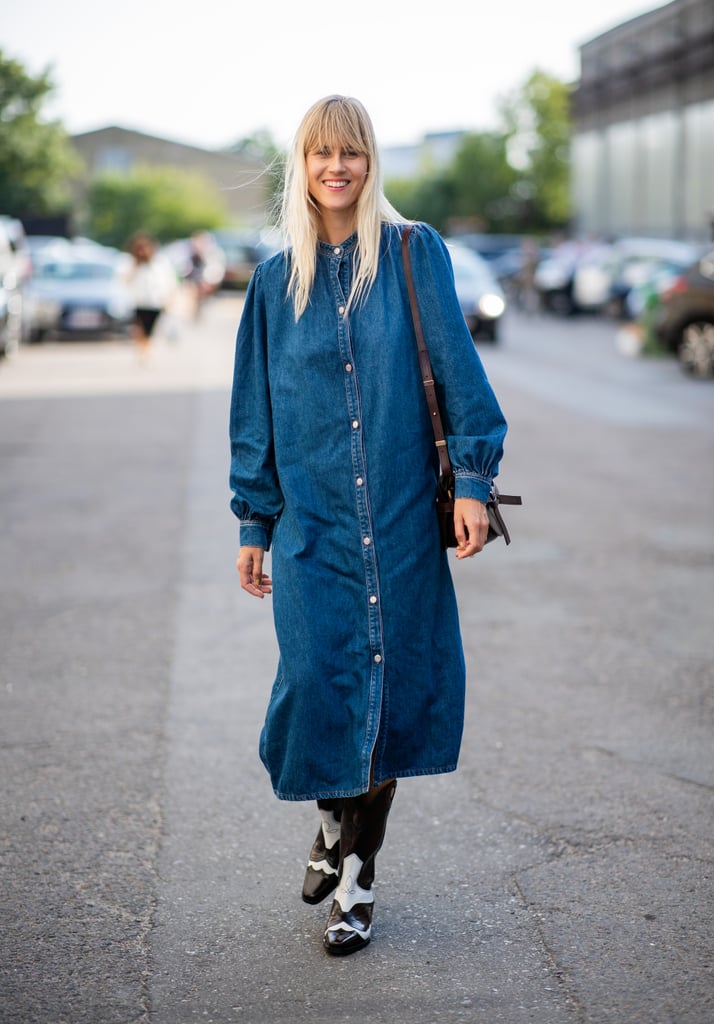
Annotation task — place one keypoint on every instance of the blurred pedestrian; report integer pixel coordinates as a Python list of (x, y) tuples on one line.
[(528, 299), (334, 465), (205, 269), (152, 284)]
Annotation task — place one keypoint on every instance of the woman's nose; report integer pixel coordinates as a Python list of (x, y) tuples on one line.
[(337, 162)]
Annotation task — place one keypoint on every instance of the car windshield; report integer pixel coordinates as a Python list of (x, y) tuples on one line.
[(75, 271)]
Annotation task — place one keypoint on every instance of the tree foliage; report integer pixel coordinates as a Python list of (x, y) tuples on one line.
[(538, 128), (516, 179), (36, 157), (484, 182), (166, 202), (429, 198), (473, 190)]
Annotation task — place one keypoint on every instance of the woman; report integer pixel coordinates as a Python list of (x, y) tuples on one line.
[(334, 465), (152, 284)]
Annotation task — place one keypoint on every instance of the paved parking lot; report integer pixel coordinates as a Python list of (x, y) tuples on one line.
[(148, 873)]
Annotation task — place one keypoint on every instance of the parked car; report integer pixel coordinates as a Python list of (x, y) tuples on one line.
[(684, 317), (480, 295), (14, 268), (632, 263), (242, 251), (554, 278), (78, 296), (46, 246), (10, 319), (598, 277)]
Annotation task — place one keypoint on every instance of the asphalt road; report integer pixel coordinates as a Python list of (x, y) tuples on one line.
[(147, 873)]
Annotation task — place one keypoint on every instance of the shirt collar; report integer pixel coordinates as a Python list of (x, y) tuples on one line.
[(348, 246)]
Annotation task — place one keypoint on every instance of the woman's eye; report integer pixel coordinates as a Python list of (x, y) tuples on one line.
[(351, 153)]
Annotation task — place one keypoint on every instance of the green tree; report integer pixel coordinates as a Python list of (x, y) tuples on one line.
[(167, 202), (429, 198), (484, 183), (474, 190), (36, 157), (538, 129)]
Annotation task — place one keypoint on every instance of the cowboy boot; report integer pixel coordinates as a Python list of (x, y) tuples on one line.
[(323, 864), (364, 822)]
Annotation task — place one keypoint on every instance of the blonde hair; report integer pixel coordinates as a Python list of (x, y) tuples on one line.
[(333, 121)]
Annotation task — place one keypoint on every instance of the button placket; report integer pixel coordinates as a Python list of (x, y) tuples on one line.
[(341, 284)]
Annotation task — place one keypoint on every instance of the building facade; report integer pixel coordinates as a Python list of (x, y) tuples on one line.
[(643, 148), (435, 151), (241, 184)]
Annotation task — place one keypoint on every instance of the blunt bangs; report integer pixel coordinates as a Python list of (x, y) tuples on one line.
[(339, 121)]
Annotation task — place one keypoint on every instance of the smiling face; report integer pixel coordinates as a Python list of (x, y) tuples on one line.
[(335, 179)]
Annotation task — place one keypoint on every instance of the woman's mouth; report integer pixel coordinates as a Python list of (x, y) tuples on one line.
[(335, 183)]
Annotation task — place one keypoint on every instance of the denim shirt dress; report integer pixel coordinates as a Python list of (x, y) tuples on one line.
[(334, 468)]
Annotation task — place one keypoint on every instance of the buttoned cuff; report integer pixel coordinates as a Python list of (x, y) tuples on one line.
[(255, 534), (469, 485)]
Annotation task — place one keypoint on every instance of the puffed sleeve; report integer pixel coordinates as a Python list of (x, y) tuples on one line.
[(257, 500), (474, 425)]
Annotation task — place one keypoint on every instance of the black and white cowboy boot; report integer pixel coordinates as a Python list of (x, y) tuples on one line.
[(323, 865), (364, 822), (349, 926)]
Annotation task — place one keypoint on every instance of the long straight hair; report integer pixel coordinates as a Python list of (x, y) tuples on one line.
[(335, 121)]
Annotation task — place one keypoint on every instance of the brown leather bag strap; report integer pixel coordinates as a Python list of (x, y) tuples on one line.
[(427, 374)]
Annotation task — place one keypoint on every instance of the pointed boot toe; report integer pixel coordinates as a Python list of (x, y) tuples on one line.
[(348, 930), (320, 881)]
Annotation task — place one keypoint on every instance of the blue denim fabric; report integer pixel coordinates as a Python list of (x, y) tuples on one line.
[(334, 465)]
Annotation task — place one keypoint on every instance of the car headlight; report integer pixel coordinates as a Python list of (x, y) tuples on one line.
[(491, 305)]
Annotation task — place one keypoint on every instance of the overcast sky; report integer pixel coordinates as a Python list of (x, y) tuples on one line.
[(211, 72)]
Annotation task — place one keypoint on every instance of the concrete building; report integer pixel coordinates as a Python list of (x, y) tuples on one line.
[(240, 182), (643, 151)]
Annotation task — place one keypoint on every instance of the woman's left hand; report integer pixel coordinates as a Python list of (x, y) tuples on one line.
[(470, 526)]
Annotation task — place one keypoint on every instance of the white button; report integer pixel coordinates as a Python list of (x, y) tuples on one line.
[(355, 423), (348, 367), (373, 599), (340, 310), (367, 541), (360, 481), (337, 251), (378, 658)]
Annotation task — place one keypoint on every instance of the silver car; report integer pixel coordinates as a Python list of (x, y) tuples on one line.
[(79, 296), (480, 295)]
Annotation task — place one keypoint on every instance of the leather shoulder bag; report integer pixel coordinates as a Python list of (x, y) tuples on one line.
[(445, 485)]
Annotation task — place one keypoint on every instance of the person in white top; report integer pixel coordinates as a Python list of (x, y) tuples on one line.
[(152, 284)]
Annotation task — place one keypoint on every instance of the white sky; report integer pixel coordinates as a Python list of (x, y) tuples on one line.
[(212, 72)]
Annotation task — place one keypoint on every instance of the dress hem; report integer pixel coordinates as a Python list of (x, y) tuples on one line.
[(344, 794)]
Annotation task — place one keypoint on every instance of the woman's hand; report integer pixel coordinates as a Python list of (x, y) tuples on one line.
[(250, 569), (470, 526)]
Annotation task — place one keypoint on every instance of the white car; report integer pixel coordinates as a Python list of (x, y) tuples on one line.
[(14, 268)]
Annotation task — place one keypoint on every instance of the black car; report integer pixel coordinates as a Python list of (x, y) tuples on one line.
[(684, 318)]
